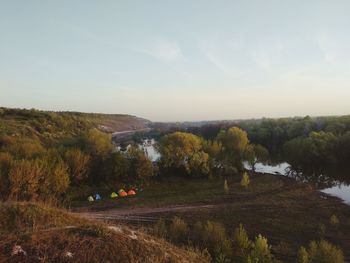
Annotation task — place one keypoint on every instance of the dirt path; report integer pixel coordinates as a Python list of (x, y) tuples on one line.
[(140, 214)]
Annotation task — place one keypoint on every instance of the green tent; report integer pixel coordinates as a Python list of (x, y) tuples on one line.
[(90, 199), (114, 195)]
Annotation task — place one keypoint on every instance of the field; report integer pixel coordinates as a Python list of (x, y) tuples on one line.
[(287, 213)]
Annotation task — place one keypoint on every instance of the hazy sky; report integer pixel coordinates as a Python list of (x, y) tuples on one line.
[(177, 60)]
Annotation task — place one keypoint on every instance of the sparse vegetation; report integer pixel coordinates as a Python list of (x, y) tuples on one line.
[(320, 252), (245, 181)]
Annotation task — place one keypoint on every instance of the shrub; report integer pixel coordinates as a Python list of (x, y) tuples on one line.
[(321, 252), (334, 220), (226, 188), (261, 251), (78, 164), (42, 178), (241, 242), (178, 230), (215, 239), (303, 256), (198, 233), (245, 180), (159, 229)]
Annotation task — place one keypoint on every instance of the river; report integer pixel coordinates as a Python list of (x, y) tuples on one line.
[(325, 184)]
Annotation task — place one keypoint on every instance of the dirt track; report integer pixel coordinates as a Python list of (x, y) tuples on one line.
[(140, 214)]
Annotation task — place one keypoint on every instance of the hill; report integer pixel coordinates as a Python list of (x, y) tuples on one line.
[(49, 127), (33, 232)]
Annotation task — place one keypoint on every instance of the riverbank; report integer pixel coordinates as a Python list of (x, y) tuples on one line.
[(288, 213)]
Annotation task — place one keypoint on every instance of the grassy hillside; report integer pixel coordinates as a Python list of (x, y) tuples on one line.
[(45, 234), (52, 126)]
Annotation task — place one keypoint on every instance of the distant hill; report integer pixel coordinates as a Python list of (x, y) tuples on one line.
[(49, 126)]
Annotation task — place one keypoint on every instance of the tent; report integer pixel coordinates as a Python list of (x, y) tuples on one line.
[(121, 190), (123, 194), (114, 195), (97, 197), (131, 192), (90, 199)]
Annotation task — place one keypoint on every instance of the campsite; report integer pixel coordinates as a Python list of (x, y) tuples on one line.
[(174, 131)]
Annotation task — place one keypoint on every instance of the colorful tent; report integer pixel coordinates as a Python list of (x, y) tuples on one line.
[(114, 195), (90, 199), (97, 197), (121, 190), (123, 194), (131, 192)]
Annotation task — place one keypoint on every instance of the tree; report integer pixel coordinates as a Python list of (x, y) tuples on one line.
[(226, 188), (78, 164), (245, 180), (312, 151), (234, 143), (6, 161), (213, 149), (98, 143), (184, 152), (54, 179), (256, 153), (24, 179), (242, 243), (320, 252), (140, 166), (261, 251), (43, 178)]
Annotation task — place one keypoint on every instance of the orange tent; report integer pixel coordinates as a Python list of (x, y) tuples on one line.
[(123, 194), (131, 192)]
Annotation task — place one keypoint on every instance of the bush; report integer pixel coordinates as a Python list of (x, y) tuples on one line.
[(39, 179), (226, 188), (245, 180), (178, 230), (303, 256), (160, 229), (334, 220), (242, 243), (78, 164), (261, 251), (215, 239), (320, 252)]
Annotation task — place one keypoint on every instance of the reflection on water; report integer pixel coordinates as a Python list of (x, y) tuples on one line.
[(149, 147), (331, 182)]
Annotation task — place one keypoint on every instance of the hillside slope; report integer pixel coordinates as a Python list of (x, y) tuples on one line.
[(48, 127), (31, 232)]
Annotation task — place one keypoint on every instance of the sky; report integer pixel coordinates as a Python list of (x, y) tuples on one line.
[(179, 60)]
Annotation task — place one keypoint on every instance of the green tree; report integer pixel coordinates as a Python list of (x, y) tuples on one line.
[(242, 243), (78, 164), (226, 187), (234, 143), (245, 180), (334, 220), (320, 252), (98, 143), (140, 166), (184, 152), (255, 154), (261, 251)]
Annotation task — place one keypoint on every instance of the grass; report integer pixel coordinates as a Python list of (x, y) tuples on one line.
[(52, 235), (287, 213)]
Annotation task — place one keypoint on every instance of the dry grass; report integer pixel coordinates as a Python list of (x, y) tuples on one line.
[(53, 235)]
